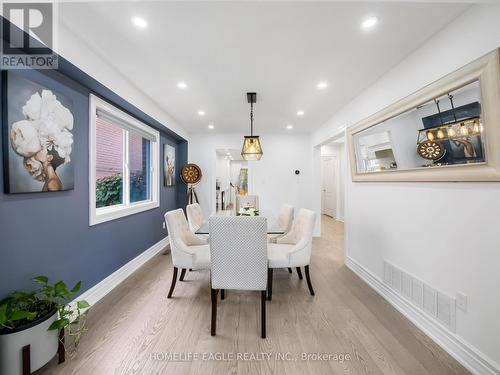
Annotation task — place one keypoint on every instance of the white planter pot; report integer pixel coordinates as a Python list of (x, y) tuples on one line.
[(43, 346)]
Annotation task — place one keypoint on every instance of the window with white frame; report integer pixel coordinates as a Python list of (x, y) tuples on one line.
[(124, 164)]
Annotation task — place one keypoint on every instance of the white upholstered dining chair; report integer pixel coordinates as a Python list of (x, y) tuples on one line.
[(195, 217), (188, 250), (285, 220), (238, 252), (293, 249)]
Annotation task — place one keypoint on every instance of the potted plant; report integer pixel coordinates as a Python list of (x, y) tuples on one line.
[(33, 326)]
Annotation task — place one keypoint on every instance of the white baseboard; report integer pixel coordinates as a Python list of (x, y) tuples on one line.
[(98, 291), (463, 352)]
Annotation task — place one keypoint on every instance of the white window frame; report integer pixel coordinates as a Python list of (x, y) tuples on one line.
[(103, 214)]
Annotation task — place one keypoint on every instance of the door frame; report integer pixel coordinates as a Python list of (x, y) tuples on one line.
[(336, 185)]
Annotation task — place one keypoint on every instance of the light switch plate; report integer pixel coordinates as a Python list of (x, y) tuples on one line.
[(461, 301)]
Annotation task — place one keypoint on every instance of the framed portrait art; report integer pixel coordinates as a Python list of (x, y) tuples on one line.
[(37, 136), (168, 165)]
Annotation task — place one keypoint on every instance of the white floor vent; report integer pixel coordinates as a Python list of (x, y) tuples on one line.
[(438, 305)]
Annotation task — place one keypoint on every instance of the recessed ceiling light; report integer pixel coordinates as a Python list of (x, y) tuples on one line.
[(322, 85), (228, 153), (182, 85), (300, 113), (139, 22), (211, 126), (289, 127), (369, 23), (201, 113)]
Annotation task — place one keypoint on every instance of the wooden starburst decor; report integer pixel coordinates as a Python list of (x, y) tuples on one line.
[(191, 174), (431, 150)]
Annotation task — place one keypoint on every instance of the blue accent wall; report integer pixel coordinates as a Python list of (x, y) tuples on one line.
[(49, 233)]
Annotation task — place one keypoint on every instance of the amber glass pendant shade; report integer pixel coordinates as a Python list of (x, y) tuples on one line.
[(251, 148), (251, 144)]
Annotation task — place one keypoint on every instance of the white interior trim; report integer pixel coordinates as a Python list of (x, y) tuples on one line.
[(98, 291), (462, 351), (101, 215)]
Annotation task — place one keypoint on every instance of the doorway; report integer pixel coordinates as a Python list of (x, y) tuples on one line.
[(231, 178), (329, 174), (333, 178)]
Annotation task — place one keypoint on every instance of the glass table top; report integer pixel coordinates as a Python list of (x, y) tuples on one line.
[(272, 223)]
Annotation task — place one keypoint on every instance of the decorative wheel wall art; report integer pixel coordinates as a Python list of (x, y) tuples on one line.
[(430, 150), (191, 174)]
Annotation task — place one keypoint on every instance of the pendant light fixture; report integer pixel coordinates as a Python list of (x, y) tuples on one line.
[(251, 144)]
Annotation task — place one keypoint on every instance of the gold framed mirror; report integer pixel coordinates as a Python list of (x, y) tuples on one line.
[(447, 131)]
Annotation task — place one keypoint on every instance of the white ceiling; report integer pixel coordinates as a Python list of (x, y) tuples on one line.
[(281, 50)]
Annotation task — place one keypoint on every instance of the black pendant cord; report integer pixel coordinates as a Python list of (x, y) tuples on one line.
[(452, 106), (251, 119), (439, 111)]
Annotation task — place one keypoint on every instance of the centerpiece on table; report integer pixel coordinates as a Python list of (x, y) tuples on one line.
[(248, 211)]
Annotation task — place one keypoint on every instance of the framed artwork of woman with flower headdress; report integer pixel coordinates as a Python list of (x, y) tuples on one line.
[(168, 165), (37, 135)]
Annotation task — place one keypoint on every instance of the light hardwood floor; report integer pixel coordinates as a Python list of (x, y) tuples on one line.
[(136, 322)]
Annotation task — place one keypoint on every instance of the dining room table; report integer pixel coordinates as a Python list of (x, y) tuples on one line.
[(272, 223)]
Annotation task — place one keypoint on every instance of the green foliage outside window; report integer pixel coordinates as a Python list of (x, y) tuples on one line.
[(109, 190)]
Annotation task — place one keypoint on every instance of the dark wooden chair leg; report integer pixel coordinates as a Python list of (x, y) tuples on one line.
[(183, 273), (299, 272), (308, 278), (222, 294), (60, 349), (289, 270), (172, 286), (26, 360), (269, 284), (263, 312), (190, 269), (213, 293)]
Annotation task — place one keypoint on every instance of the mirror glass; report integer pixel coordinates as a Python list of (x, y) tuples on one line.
[(445, 131)]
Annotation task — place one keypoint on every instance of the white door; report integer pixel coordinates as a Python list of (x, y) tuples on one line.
[(328, 191)]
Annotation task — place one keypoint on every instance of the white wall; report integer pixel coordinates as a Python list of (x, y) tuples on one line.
[(272, 178), (457, 247), (82, 55)]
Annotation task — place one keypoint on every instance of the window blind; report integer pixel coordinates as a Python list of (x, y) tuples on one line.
[(113, 119)]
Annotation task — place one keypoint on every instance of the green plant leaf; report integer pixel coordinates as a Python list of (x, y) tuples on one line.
[(3, 315), (7, 300), (41, 279), (82, 304), (19, 314), (76, 288), (60, 289), (59, 324)]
